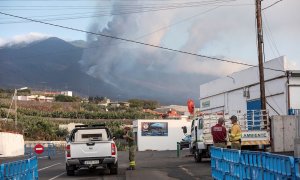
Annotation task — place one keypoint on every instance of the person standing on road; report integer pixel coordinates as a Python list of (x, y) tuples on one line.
[(218, 132), (235, 134), (129, 136)]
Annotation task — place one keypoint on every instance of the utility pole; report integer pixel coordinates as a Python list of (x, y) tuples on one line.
[(260, 55)]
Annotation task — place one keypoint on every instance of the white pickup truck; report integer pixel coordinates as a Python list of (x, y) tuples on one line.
[(91, 147)]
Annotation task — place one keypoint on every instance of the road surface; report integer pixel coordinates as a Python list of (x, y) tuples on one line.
[(152, 165)]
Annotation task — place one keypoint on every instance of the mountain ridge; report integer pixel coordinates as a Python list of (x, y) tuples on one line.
[(54, 64)]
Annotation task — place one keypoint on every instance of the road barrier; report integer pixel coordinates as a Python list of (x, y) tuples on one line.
[(24, 169), (297, 168), (49, 149), (230, 164)]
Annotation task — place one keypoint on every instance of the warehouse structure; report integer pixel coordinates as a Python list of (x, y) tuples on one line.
[(240, 91)]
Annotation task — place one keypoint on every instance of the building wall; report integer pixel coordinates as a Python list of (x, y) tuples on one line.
[(242, 78), (283, 133), (161, 143), (227, 94), (11, 144), (294, 89), (67, 93)]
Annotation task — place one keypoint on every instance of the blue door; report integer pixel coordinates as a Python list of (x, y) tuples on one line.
[(253, 112)]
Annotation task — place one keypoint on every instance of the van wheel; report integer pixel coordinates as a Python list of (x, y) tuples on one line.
[(113, 168), (197, 157)]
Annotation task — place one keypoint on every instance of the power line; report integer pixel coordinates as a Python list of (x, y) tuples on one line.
[(121, 6), (123, 11), (138, 42), (96, 15), (272, 5), (273, 42), (142, 36)]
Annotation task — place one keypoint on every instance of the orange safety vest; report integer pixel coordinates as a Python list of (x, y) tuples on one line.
[(236, 133)]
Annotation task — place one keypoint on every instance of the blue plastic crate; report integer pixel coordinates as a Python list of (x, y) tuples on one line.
[(230, 177), (25, 169), (251, 158), (231, 155), (235, 169), (278, 164), (216, 174), (213, 162), (269, 175), (216, 152), (297, 168)]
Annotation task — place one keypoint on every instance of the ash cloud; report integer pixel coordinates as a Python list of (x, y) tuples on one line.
[(22, 39), (147, 72)]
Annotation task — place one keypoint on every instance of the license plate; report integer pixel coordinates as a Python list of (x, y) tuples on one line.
[(91, 162)]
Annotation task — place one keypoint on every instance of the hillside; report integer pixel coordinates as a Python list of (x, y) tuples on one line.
[(48, 64), (53, 64)]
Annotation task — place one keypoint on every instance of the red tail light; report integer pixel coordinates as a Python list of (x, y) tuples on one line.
[(113, 149), (68, 149)]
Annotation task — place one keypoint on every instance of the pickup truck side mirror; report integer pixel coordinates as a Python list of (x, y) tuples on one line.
[(184, 129)]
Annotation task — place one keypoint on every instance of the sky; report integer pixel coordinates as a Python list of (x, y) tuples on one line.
[(218, 28)]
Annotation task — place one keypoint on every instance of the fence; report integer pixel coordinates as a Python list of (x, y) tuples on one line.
[(229, 164), (49, 149), (24, 169)]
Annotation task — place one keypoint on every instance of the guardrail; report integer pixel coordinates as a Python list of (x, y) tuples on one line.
[(229, 164), (49, 149), (24, 169)]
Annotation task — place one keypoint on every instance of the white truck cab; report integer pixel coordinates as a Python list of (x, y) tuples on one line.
[(255, 128), (91, 147)]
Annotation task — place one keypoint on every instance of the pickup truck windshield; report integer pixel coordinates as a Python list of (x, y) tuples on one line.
[(85, 135)]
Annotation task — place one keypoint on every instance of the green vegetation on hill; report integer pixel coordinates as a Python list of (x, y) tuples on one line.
[(41, 120), (63, 98), (143, 104)]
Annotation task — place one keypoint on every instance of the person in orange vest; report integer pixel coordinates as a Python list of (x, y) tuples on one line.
[(235, 134)]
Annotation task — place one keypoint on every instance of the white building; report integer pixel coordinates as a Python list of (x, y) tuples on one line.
[(240, 91), (34, 98), (67, 93), (159, 134)]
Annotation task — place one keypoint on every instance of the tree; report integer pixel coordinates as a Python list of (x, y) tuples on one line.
[(144, 104), (63, 98), (97, 99)]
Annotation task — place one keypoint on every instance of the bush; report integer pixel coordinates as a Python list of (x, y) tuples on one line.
[(143, 104), (61, 133), (63, 98)]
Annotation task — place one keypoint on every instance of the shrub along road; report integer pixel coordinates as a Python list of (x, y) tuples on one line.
[(150, 165)]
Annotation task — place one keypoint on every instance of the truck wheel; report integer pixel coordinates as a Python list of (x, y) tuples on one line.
[(197, 157), (70, 170), (113, 168)]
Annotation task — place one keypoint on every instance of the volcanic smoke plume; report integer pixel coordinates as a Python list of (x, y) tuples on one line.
[(147, 72)]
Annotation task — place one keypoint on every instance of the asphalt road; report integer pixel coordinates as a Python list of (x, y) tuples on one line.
[(150, 165)]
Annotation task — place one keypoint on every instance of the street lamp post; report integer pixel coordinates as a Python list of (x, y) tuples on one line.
[(15, 98)]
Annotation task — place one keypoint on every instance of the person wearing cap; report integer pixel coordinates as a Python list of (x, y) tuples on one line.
[(218, 133), (235, 134), (129, 136)]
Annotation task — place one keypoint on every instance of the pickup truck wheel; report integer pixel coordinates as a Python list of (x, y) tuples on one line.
[(113, 168), (70, 170), (197, 157)]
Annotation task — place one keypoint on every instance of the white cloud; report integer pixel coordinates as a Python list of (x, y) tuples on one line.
[(23, 39)]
